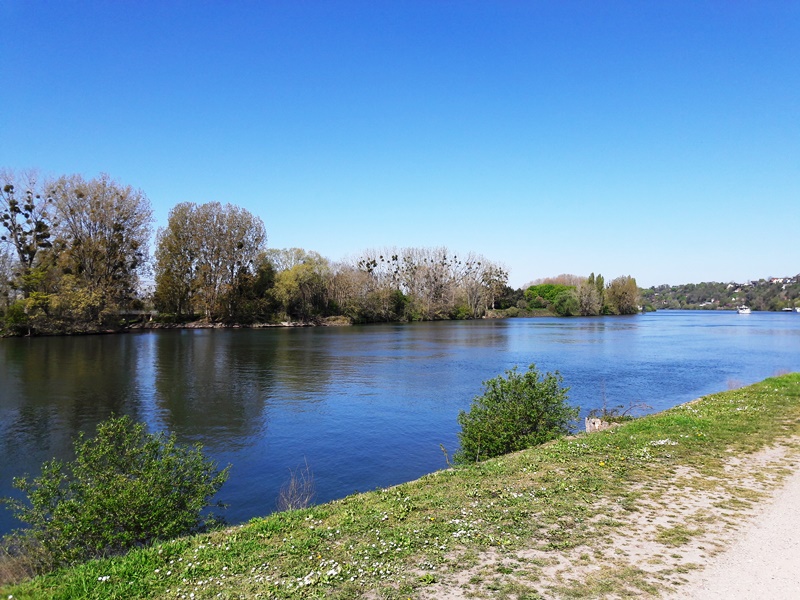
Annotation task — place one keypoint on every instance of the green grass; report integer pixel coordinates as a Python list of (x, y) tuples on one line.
[(398, 542)]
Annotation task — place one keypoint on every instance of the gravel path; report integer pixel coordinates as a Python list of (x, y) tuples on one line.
[(763, 563)]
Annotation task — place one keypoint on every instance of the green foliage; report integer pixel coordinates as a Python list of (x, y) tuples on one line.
[(623, 296), (515, 412), (15, 320), (509, 297), (125, 488), (764, 294), (566, 304), (301, 290), (28, 315), (544, 295), (461, 312), (207, 261)]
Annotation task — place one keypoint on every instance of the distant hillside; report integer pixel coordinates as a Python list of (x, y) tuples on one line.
[(775, 293)]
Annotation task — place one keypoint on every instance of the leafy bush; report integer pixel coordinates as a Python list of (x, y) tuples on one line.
[(566, 304), (544, 295), (125, 488), (461, 312), (515, 412), (15, 320)]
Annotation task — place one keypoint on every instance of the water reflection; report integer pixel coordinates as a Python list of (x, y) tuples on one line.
[(53, 388), (366, 406), (211, 386)]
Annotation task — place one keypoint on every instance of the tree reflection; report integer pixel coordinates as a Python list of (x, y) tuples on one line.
[(213, 386)]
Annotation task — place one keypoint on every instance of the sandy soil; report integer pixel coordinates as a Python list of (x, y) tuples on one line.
[(764, 562), (742, 540)]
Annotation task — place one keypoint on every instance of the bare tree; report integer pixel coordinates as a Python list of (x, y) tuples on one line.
[(7, 290), (623, 295), (436, 283), (25, 215), (588, 298), (283, 259)]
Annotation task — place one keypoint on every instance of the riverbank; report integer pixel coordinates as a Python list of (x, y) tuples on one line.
[(334, 321), (158, 325), (625, 512), (328, 322)]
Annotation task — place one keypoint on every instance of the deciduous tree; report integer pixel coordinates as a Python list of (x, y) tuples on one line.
[(623, 295), (588, 298), (25, 216), (105, 228), (566, 303), (302, 289), (203, 257)]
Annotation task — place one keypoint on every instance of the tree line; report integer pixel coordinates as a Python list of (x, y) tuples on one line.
[(74, 251), (74, 255), (774, 294), (572, 295), (569, 295), (212, 262)]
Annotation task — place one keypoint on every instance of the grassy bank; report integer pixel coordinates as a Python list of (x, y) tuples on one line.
[(552, 521)]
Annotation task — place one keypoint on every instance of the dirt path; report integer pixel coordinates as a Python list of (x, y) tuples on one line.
[(765, 560), (734, 536)]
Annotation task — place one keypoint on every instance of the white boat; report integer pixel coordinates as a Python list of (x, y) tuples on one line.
[(743, 310)]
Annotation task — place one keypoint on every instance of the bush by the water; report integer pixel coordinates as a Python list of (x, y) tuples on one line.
[(125, 488), (515, 412)]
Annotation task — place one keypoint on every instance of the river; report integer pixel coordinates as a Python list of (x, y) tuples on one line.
[(363, 406)]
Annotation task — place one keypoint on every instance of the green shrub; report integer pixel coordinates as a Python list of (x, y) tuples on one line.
[(515, 412), (461, 312), (15, 320), (566, 304), (125, 488)]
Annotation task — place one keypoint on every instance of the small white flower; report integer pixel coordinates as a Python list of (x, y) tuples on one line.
[(664, 442)]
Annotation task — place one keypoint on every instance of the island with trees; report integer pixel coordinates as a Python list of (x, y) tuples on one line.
[(75, 258)]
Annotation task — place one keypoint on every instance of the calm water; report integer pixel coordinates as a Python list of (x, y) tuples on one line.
[(364, 406)]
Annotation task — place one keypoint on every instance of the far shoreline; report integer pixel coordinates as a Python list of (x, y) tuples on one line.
[(338, 321)]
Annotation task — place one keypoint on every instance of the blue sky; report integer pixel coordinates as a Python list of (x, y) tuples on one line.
[(654, 139)]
